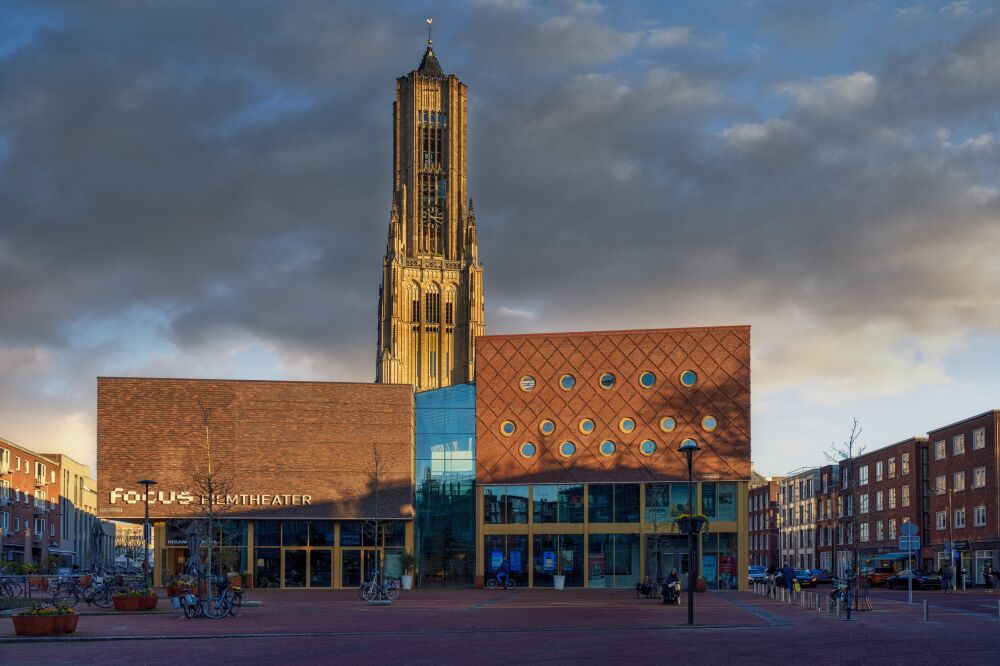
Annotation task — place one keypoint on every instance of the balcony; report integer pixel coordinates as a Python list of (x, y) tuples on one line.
[(4, 467), (39, 509), (40, 481), (4, 500), (37, 536)]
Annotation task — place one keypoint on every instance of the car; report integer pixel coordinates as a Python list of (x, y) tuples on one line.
[(823, 576), (758, 574), (921, 580), (804, 576), (879, 575)]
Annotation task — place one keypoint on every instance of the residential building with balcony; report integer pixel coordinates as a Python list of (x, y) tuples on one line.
[(29, 491), (797, 513), (763, 522)]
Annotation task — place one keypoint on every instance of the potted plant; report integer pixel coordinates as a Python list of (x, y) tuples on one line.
[(700, 585), (691, 523), (558, 579), (135, 600), (407, 563), (41, 620), (179, 584)]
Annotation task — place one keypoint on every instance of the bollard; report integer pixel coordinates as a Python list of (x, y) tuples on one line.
[(926, 617), (998, 609), (838, 608)]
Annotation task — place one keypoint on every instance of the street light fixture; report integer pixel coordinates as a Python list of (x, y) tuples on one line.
[(688, 448), (146, 483)]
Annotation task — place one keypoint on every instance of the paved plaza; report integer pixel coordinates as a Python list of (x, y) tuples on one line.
[(529, 627)]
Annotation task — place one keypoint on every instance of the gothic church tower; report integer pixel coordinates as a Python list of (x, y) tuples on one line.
[(431, 297)]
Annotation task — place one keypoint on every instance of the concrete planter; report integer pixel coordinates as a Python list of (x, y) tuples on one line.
[(407, 581), (134, 604), (44, 625)]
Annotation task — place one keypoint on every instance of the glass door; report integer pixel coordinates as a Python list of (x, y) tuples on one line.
[(321, 568), (350, 561)]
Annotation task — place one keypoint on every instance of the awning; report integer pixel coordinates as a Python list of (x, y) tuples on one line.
[(893, 556), (60, 551)]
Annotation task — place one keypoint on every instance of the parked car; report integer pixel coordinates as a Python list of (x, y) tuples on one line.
[(758, 574), (921, 580), (823, 577), (804, 576), (879, 575)]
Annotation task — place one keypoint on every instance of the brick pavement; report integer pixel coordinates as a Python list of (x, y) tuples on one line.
[(526, 626)]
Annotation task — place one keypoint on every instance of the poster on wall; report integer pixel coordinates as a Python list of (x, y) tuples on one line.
[(496, 560), (727, 572), (515, 561), (549, 561), (709, 568), (596, 570), (567, 561)]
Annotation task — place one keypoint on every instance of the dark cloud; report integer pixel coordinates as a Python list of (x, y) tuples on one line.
[(226, 167)]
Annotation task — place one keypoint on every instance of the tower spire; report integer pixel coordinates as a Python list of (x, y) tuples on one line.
[(429, 22)]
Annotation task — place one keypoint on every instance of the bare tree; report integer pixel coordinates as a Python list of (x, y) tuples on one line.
[(845, 455), (377, 473), (129, 545), (657, 523), (211, 486)]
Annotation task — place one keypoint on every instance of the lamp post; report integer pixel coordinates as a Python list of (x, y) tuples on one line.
[(688, 447), (146, 483)]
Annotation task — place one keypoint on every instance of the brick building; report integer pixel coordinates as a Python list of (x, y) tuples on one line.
[(797, 498), (577, 460), (826, 517), (963, 493), (29, 505), (763, 523)]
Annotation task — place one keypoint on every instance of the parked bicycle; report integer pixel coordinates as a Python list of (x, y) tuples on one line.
[(9, 587), (379, 587), (226, 602), (70, 591)]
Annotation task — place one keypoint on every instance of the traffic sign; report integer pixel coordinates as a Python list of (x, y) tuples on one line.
[(963, 545), (909, 543), (908, 529)]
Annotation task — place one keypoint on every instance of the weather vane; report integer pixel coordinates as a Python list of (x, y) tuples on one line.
[(429, 21)]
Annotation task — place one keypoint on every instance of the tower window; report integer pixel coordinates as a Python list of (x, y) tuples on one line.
[(448, 314), (433, 309), (415, 310)]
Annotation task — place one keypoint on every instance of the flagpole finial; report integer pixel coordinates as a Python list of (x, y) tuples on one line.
[(429, 22)]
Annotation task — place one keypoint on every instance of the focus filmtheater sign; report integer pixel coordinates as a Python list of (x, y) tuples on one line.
[(120, 496)]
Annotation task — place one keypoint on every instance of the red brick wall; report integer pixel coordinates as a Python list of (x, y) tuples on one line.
[(23, 480), (269, 438), (720, 356), (911, 480)]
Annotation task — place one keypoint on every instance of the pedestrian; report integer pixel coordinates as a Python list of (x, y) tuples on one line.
[(788, 574), (988, 578), (946, 573), (772, 587)]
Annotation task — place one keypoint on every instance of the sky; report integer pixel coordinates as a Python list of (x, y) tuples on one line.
[(192, 189)]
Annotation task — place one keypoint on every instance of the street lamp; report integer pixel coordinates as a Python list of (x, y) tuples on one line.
[(145, 530), (688, 447)]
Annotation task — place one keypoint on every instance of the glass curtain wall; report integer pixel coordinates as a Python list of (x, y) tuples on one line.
[(445, 475)]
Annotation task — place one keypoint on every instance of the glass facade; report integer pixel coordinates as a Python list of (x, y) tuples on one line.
[(445, 496)]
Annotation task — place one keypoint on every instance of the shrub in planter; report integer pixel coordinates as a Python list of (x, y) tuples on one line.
[(136, 600), (178, 585), (408, 563), (42, 620)]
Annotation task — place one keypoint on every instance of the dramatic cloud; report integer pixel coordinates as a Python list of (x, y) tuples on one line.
[(193, 189)]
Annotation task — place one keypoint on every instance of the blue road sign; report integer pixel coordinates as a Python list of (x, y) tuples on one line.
[(908, 529), (909, 543)]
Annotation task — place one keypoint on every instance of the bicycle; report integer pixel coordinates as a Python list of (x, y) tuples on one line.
[(373, 589), (235, 601), (501, 580), (9, 587), (69, 592)]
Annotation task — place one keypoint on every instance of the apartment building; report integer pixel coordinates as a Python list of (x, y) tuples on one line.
[(763, 523), (29, 509), (826, 517), (86, 539), (797, 499)]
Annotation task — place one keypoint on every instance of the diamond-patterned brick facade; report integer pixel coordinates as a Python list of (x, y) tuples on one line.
[(720, 356)]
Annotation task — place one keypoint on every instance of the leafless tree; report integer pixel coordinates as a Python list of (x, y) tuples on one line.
[(129, 545), (377, 473), (846, 454), (211, 486), (657, 522)]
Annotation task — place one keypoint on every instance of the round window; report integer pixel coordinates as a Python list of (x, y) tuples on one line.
[(648, 447), (527, 383), (507, 428), (668, 423), (607, 447), (709, 423), (586, 426), (626, 425), (607, 380), (689, 378), (647, 380), (566, 382), (546, 427), (528, 449), (566, 449)]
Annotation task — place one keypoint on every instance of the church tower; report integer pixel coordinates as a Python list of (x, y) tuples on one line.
[(431, 297)]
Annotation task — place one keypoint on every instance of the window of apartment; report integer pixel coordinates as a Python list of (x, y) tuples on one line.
[(892, 467), (878, 470), (958, 445), (892, 529), (942, 520), (825, 482), (880, 531), (39, 526), (904, 498), (979, 516), (18, 463), (939, 450), (959, 481), (5, 521), (879, 505), (979, 477), (845, 477), (840, 507), (940, 484), (863, 503), (904, 461), (863, 532), (850, 505), (863, 475), (52, 530), (978, 439), (17, 524), (959, 517), (892, 498)]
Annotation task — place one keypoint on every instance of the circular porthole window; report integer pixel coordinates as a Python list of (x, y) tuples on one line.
[(546, 427), (709, 423), (566, 449), (528, 450), (566, 382), (689, 378), (586, 426), (626, 425), (647, 380), (607, 447), (607, 380), (648, 447), (527, 383), (507, 428), (668, 423)]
